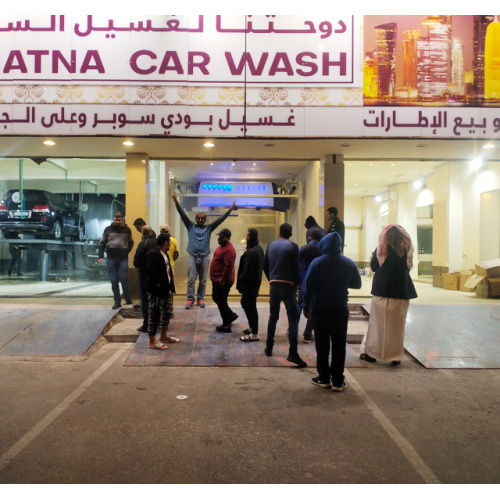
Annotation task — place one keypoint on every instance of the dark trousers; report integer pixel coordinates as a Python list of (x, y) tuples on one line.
[(330, 328), (117, 272), (143, 296), (282, 292), (249, 305), (219, 296)]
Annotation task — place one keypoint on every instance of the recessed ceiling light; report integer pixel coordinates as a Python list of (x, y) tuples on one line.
[(128, 143), (48, 142), (488, 146), (345, 145), (209, 144), (269, 145)]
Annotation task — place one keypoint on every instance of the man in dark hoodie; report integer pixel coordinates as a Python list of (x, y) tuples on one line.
[(311, 225), (248, 283), (325, 291)]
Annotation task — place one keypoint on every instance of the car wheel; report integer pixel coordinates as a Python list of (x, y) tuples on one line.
[(57, 230), (81, 233)]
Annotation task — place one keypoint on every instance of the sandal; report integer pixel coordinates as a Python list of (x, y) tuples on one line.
[(248, 338), (160, 346), (170, 340)]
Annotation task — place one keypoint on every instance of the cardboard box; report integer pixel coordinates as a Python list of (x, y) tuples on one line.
[(464, 276), (450, 281), (489, 268), (484, 287)]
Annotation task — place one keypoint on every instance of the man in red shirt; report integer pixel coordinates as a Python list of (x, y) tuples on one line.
[(222, 277)]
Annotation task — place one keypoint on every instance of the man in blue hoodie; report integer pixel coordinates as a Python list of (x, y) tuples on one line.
[(325, 298)]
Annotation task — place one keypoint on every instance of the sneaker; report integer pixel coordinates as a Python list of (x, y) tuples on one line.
[(201, 303), (320, 383), (295, 358), (308, 340), (234, 317), (223, 329), (268, 351), (143, 328), (116, 305), (340, 388), (189, 304)]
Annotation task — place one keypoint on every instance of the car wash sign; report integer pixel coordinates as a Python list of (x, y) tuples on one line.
[(275, 50), (91, 74)]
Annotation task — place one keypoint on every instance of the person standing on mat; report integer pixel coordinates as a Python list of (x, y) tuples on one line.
[(392, 289), (198, 249), (248, 283), (325, 299), (161, 289), (282, 269), (222, 277), (147, 243)]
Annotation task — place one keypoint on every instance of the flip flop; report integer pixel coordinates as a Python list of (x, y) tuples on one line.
[(160, 346), (170, 340), (247, 338)]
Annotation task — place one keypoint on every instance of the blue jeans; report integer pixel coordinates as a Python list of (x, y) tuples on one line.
[(288, 294), (330, 327), (197, 267), (117, 272)]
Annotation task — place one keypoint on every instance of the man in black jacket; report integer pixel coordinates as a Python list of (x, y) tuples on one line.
[(248, 283), (147, 243), (117, 241), (336, 225), (161, 289)]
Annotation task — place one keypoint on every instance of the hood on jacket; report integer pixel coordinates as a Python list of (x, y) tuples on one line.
[(253, 237), (310, 222), (331, 244)]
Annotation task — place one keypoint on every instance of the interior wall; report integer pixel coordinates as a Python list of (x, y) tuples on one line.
[(490, 225)]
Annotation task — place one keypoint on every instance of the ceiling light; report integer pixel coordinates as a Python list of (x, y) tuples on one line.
[(378, 198), (48, 142), (417, 184), (209, 144), (488, 146), (476, 164), (128, 143)]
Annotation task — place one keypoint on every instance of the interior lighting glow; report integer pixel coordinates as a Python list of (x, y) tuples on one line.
[(128, 143), (209, 144), (488, 146), (378, 198), (417, 184), (48, 142), (476, 164)]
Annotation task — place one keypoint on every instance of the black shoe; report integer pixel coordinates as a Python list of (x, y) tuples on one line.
[(396, 363), (321, 383), (234, 317), (269, 351), (8, 272), (247, 331), (223, 329), (116, 305), (365, 357), (339, 388), (295, 358), (128, 302), (308, 340), (143, 328)]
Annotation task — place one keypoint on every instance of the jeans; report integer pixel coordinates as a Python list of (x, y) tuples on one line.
[(219, 295), (249, 305), (197, 267), (288, 294), (330, 327), (143, 296), (117, 272)]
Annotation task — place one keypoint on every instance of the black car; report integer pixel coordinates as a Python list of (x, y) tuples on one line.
[(43, 214)]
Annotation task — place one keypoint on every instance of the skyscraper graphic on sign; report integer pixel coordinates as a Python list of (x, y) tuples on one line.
[(492, 61)]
